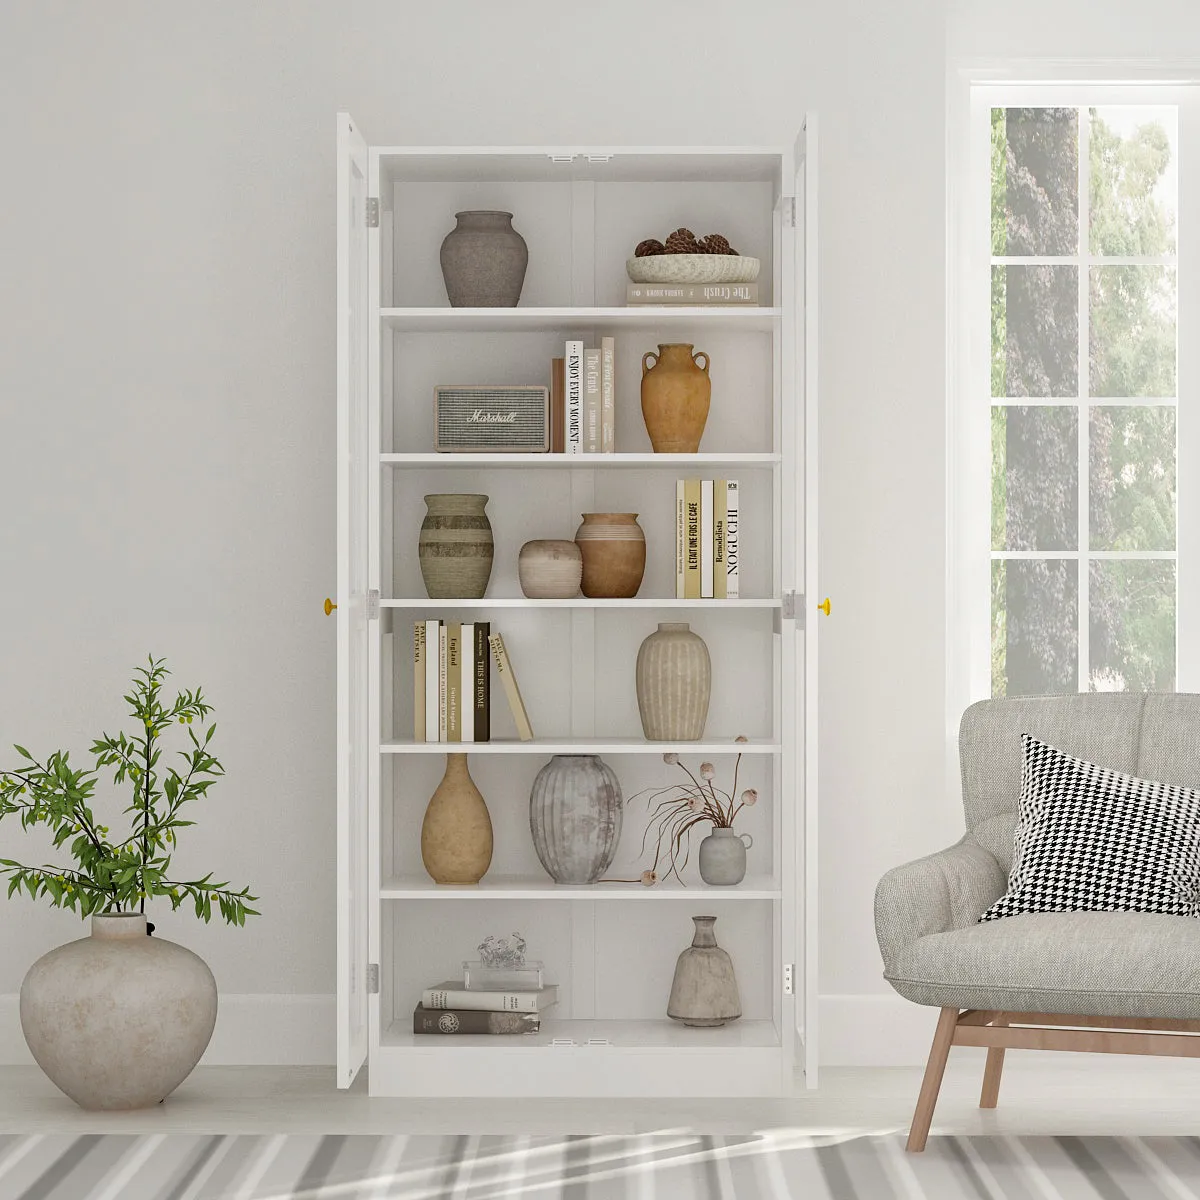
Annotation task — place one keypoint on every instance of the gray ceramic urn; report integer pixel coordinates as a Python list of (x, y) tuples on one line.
[(484, 260), (704, 991), (118, 1020), (575, 813)]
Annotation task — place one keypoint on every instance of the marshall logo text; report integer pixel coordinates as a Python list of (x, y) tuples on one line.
[(480, 417)]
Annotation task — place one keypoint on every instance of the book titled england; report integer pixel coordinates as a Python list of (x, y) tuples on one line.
[(509, 680), (433, 685), (706, 539), (454, 681), (418, 681), (472, 1020), (608, 395), (452, 994), (592, 402), (483, 682), (573, 376), (733, 538)]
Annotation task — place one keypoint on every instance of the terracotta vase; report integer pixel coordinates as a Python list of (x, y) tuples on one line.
[(676, 392), (118, 1020), (614, 554), (704, 991), (550, 569), (483, 261), (456, 835), (674, 683), (575, 813), (455, 548)]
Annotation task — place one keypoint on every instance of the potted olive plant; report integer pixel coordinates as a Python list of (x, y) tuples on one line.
[(119, 1019)]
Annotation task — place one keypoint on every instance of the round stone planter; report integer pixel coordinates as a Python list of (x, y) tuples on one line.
[(575, 812), (455, 548), (118, 1020), (483, 261), (550, 569), (723, 857)]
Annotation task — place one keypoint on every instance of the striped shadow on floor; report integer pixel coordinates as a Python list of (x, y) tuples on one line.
[(778, 1165)]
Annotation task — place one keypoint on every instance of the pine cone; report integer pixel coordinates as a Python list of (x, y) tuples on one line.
[(648, 247), (682, 241), (715, 244)]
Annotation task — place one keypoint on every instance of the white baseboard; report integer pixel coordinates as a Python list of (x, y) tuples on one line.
[(252, 1030), (874, 1031)]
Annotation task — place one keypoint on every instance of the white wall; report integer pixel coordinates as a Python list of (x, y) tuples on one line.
[(166, 464)]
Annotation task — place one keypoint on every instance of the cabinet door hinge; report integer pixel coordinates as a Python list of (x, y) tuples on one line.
[(791, 608), (789, 211), (373, 605), (789, 979), (373, 212), (373, 978)]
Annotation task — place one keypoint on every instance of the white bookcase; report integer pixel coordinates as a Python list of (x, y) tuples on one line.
[(611, 947)]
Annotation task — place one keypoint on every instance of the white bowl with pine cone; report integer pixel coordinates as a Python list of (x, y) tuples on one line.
[(692, 268)]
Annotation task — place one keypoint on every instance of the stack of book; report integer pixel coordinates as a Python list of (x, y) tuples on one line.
[(707, 539), (452, 694), (691, 293), (451, 1007), (583, 400)]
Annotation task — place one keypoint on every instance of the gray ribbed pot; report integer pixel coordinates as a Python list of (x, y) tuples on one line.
[(674, 682), (704, 991), (118, 1020), (455, 548), (575, 812), (484, 260)]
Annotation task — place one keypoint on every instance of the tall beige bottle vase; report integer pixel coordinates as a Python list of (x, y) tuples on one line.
[(455, 548), (483, 260), (674, 684), (704, 991), (676, 392), (456, 835), (118, 1020)]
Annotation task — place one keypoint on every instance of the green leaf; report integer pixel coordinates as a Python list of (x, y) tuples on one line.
[(23, 752)]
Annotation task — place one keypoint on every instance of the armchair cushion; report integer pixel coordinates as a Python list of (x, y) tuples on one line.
[(1115, 964), (935, 894)]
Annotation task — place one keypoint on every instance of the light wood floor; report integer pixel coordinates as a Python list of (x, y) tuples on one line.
[(1040, 1094)]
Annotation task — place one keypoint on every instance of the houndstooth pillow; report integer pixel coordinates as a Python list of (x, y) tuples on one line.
[(1093, 839)]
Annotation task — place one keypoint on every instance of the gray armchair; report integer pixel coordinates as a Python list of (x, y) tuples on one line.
[(1048, 981)]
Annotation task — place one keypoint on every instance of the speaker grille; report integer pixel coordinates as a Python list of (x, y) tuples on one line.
[(491, 418)]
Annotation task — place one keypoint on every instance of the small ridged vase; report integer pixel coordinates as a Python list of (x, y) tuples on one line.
[(704, 991), (456, 834), (455, 548), (614, 555), (575, 813), (674, 683)]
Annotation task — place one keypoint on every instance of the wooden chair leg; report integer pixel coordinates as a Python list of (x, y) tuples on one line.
[(943, 1039), (992, 1068)]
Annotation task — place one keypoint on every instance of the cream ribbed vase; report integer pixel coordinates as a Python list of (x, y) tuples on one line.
[(674, 682)]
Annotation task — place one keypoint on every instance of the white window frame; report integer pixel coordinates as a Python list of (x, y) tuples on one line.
[(972, 92)]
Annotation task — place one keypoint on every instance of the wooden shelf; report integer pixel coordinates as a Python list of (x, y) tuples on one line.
[(516, 887), (545, 746), (749, 318), (579, 602), (606, 1036), (586, 462)]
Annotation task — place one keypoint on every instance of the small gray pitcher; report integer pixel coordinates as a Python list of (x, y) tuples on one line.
[(723, 856)]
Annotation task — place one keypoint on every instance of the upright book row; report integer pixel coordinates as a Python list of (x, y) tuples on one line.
[(707, 539), (452, 682), (583, 399)]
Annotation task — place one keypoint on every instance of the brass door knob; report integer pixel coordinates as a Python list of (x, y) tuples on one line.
[(824, 607), (330, 606)]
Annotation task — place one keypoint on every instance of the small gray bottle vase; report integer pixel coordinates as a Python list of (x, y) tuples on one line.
[(723, 857), (575, 814), (674, 682), (484, 260), (118, 1020), (455, 548), (704, 991)]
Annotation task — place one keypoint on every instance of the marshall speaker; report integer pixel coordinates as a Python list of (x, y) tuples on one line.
[(491, 418)]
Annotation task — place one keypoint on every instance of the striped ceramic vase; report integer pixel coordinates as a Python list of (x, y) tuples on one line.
[(674, 681), (614, 554), (575, 812), (455, 549)]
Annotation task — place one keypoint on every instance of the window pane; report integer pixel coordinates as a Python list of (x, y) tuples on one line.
[(1132, 478), (1035, 636), (1035, 181), (1133, 195), (1035, 331), (1131, 342), (1132, 626), (1035, 478)]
